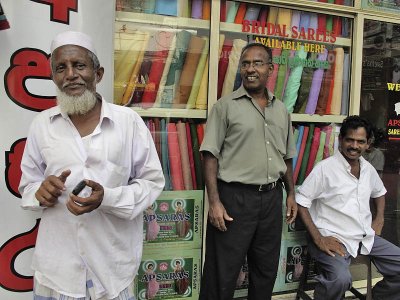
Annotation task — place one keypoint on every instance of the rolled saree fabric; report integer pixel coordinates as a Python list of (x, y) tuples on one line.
[(293, 84), (183, 147), (191, 103), (300, 154), (314, 149), (338, 82), (231, 7), (305, 85), (127, 48), (195, 49), (164, 75), (320, 151), (345, 86), (197, 9), (306, 156), (162, 50), (298, 144), (134, 79), (233, 65), (174, 155), (272, 79), (175, 69), (316, 85)]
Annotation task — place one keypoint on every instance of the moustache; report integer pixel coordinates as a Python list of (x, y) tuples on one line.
[(67, 84), (352, 149)]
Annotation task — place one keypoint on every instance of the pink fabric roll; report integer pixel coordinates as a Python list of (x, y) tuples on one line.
[(314, 150), (174, 155), (183, 147), (223, 65)]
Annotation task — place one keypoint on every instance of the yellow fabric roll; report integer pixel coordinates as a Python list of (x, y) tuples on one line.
[(134, 76), (272, 15), (337, 82), (284, 17), (127, 49), (233, 65), (165, 72), (201, 101), (198, 76), (183, 8)]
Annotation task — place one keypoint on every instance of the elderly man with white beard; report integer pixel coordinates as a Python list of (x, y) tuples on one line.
[(89, 244)]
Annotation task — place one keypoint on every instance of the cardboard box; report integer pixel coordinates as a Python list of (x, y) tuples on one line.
[(169, 275), (175, 220)]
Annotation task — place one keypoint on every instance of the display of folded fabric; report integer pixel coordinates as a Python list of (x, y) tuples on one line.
[(307, 82), (3, 20), (160, 68), (237, 12), (196, 9), (313, 143), (177, 144)]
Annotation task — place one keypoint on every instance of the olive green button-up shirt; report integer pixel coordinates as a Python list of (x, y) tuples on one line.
[(250, 144)]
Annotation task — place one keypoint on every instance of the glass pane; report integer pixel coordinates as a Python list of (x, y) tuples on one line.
[(161, 54), (311, 55), (381, 5), (380, 104)]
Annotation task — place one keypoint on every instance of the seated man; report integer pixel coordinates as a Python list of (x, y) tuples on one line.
[(334, 206)]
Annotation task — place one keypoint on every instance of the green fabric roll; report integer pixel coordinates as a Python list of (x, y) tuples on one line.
[(196, 156), (280, 81), (293, 84), (232, 10), (164, 155), (149, 6), (198, 76), (320, 152), (329, 23), (296, 135), (305, 85), (306, 155), (174, 73)]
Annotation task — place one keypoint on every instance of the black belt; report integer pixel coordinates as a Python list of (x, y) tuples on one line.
[(254, 187)]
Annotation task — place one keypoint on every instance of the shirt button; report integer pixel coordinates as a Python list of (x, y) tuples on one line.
[(267, 143), (269, 177), (270, 158), (266, 124)]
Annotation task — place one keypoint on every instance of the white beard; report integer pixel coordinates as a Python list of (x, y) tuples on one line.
[(76, 105)]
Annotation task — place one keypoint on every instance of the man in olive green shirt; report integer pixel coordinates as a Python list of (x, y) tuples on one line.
[(247, 152)]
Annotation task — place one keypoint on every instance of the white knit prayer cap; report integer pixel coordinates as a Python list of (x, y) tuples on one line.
[(73, 38)]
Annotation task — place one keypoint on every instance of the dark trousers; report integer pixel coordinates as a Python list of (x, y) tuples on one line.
[(255, 231), (335, 277)]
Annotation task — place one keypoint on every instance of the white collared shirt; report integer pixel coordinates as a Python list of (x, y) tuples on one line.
[(339, 202), (104, 245)]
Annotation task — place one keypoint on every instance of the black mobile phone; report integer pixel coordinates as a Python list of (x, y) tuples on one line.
[(79, 187)]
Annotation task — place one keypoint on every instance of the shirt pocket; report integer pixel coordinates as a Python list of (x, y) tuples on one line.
[(278, 136), (57, 159), (116, 175)]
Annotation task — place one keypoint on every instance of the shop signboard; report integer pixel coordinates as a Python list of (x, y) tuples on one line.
[(25, 90)]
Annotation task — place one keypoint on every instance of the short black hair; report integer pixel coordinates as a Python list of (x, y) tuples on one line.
[(266, 48), (354, 122)]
